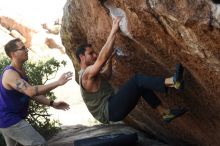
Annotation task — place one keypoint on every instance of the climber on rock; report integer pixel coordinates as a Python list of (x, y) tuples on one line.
[(101, 100)]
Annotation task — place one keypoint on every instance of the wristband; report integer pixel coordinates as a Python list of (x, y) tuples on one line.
[(51, 102)]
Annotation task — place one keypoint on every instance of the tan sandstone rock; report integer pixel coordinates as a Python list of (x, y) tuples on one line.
[(161, 34)]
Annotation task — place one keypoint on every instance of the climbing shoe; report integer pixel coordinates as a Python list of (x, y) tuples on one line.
[(173, 113), (178, 77)]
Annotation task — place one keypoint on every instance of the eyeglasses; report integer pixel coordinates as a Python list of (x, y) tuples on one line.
[(22, 49)]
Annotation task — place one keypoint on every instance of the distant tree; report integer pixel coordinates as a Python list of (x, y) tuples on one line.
[(39, 73)]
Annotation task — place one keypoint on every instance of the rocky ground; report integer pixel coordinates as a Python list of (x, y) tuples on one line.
[(71, 133)]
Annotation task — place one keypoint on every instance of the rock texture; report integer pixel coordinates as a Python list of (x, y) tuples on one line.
[(160, 33), (17, 28)]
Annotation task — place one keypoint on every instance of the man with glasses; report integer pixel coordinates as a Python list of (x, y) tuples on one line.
[(15, 93)]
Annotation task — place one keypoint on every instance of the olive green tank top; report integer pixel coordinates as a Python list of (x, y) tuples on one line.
[(97, 102)]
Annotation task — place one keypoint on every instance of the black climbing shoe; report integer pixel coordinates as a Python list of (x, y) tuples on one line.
[(174, 113), (178, 77)]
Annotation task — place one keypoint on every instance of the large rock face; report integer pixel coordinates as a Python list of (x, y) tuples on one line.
[(156, 35)]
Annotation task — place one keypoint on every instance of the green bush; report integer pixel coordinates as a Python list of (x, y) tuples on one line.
[(39, 73)]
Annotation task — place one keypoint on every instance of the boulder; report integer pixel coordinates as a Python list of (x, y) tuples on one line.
[(154, 36), (71, 133), (17, 28)]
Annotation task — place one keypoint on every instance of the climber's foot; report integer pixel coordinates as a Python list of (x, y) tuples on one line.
[(178, 77), (173, 113)]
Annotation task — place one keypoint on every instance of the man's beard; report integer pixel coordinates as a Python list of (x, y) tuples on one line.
[(88, 63)]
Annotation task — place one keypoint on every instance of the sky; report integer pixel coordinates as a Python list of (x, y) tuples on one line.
[(33, 10)]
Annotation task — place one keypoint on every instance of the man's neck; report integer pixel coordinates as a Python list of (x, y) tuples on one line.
[(83, 66), (17, 65)]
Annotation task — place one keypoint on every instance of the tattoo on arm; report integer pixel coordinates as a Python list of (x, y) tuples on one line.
[(21, 85), (36, 90)]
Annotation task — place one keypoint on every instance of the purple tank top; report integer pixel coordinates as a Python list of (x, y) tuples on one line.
[(13, 104)]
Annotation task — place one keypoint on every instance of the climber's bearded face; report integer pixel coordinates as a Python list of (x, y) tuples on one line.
[(90, 56)]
